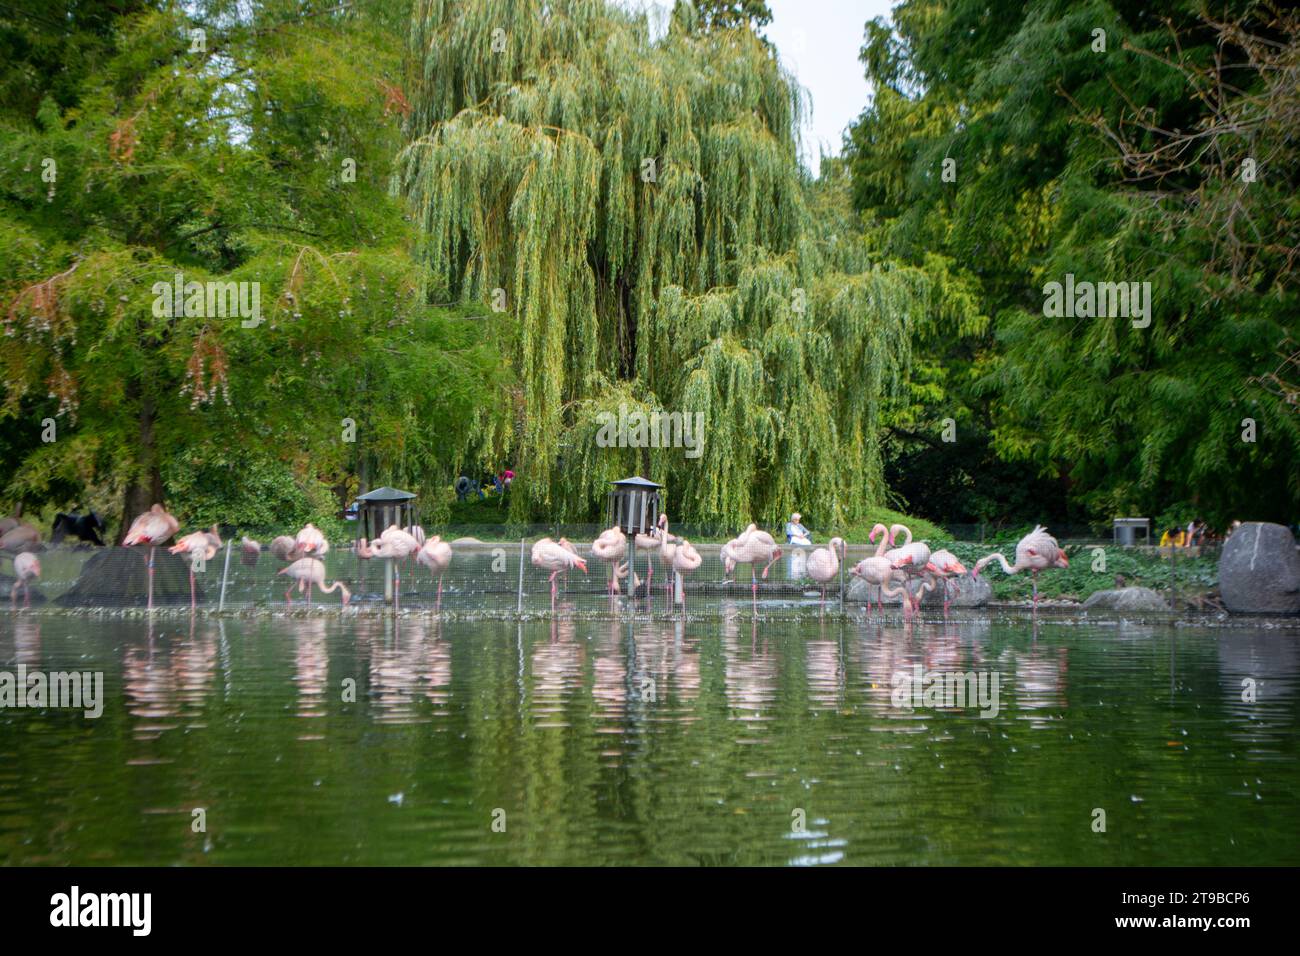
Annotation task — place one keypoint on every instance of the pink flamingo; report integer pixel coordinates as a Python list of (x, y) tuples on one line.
[(667, 551), (554, 557), (824, 564), (876, 570), (198, 545), (152, 528), (311, 541), (911, 557), (749, 548), (611, 547), (436, 556), (685, 560), (649, 543), (946, 566), (286, 548), (249, 551), (309, 571), (392, 543), (1035, 552), (27, 568)]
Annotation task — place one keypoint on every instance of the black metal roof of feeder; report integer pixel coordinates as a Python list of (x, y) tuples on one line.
[(634, 504), (635, 482), (386, 495)]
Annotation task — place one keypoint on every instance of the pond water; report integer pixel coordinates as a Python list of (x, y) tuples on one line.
[(725, 741)]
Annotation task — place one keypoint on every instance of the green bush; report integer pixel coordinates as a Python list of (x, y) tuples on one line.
[(256, 496)]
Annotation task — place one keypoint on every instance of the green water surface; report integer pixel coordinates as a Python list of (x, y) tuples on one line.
[(709, 742)]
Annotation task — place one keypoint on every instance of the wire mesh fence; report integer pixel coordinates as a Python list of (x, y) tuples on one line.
[(494, 577)]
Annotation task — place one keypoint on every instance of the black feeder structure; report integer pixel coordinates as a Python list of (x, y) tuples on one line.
[(634, 505), (378, 510)]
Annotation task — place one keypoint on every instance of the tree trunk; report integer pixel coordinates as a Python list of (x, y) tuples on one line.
[(147, 487)]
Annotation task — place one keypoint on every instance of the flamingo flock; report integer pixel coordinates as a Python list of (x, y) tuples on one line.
[(899, 568)]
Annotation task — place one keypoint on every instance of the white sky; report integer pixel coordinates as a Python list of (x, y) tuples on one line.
[(818, 41)]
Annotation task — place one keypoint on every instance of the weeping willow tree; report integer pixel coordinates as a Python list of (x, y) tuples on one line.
[(634, 206)]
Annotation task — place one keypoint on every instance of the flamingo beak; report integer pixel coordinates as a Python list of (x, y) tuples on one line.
[(1065, 562)]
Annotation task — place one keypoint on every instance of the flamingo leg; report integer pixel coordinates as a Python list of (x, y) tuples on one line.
[(553, 574), (150, 599), (287, 598), (192, 603), (439, 604), (309, 592), (1035, 589)]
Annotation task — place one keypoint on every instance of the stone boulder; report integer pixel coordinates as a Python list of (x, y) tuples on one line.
[(965, 591), (1259, 570), (1126, 599)]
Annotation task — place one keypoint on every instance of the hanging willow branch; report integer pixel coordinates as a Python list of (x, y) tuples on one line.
[(642, 207)]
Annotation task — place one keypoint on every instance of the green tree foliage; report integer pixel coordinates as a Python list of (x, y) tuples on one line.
[(730, 14), (640, 205), (258, 152), (1121, 164)]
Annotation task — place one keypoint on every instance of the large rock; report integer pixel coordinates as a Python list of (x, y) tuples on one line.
[(1126, 599), (966, 592), (1259, 571)]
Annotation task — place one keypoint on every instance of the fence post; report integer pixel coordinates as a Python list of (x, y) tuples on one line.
[(519, 604), (225, 573), (846, 557)]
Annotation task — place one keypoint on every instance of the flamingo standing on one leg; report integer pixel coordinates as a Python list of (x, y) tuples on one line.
[(824, 564), (1035, 552), (436, 556), (551, 556), (685, 560), (667, 551), (648, 543), (198, 545), (749, 548), (393, 543), (153, 528), (611, 547), (27, 568), (308, 571)]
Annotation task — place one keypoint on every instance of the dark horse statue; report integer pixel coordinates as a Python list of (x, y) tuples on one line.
[(85, 527)]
